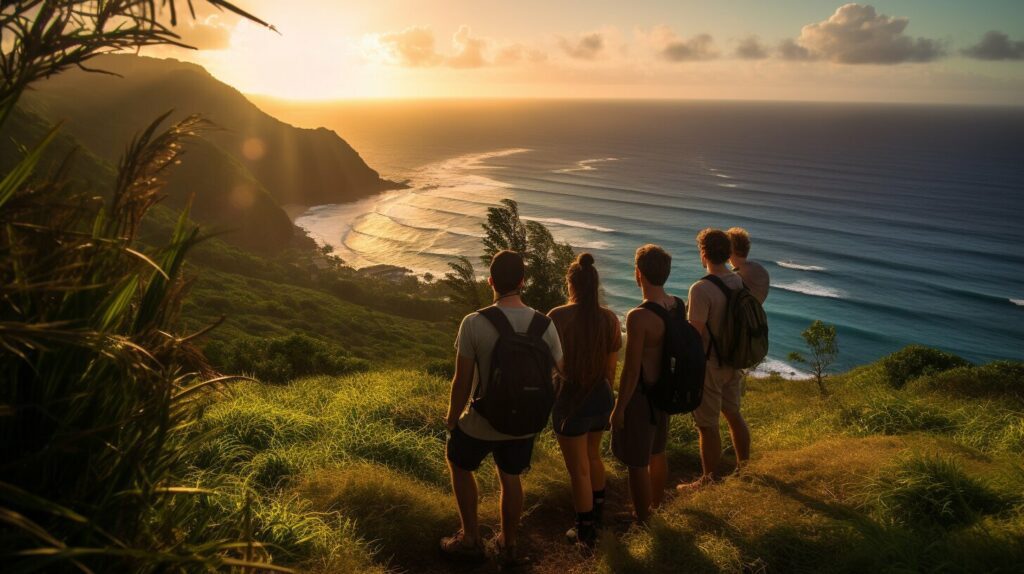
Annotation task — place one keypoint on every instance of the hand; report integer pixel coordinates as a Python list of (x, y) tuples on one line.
[(618, 420)]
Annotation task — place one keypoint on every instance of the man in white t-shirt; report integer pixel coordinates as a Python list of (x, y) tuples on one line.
[(472, 437), (706, 311)]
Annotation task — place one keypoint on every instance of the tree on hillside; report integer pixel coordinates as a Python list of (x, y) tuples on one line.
[(466, 290), (97, 393), (823, 346), (546, 259)]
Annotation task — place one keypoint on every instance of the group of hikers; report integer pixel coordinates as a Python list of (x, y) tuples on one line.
[(517, 368)]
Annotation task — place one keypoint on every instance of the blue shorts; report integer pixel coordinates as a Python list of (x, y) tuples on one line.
[(589, 415), (511, 456)]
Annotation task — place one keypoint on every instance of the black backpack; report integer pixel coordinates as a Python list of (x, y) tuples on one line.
[(743, 342), (680, 387), (520, 390)]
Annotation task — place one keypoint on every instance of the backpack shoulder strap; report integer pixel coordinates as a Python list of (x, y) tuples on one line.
[(718, 283), (680, 307), (656, 309), (498, 319), (538, 325)]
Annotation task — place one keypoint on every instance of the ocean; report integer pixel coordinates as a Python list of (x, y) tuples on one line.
[(897, 224)]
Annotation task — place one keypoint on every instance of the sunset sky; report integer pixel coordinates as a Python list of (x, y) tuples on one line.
[(889, 50)]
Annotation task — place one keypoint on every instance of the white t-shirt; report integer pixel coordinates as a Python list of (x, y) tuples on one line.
[(476, 340)]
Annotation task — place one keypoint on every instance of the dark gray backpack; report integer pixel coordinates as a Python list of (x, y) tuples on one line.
[(520, 390)]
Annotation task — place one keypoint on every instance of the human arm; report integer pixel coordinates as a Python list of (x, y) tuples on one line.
[(635, 334), (462, 385), (697, 309)]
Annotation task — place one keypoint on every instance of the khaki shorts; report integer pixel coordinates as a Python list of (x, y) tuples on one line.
[(722, 389), (640, 437)]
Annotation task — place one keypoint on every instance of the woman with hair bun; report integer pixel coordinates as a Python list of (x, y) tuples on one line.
[(591, 339)]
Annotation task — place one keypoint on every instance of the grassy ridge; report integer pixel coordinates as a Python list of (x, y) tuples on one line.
[(349, 473)]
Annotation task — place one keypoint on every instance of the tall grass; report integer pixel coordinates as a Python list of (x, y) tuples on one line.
[(97, 391)]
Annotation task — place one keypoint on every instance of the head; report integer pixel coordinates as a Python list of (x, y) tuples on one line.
[(653, 265), (715, 247), (740, 240), (508, 271), (582, 281)]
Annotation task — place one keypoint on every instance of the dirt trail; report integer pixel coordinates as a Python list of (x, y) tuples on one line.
[(543, 533)]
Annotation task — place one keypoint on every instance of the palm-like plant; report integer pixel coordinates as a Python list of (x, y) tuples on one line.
[(95, 390)]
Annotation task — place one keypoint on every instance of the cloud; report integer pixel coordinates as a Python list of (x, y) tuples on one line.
[(856, 34), (210, 33), (790, 50), (413, 47), (670, 46), (469, 51), (750, 48), (516, 53), (587, 47), (996, 45)]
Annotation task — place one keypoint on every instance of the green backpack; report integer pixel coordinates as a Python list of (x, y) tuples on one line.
[(743, 342)]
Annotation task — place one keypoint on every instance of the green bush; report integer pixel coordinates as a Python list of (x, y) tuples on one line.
[(278, 360), (889, 415), (444, 368), (273, 470), (997, 380), (914, 361), (933, 491)]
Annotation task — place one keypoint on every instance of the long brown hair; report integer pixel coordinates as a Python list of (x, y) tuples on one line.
[(587, 338)]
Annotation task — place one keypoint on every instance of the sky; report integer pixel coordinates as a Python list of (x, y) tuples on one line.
[(943, 51)]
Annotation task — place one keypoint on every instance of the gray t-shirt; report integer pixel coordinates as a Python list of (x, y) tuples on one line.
[(476, 341), (755, 277)]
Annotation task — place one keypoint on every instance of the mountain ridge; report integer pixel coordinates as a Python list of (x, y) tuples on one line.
[(258, 163)]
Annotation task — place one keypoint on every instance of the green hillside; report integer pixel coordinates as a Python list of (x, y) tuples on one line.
[(350, 475), (251, 164)]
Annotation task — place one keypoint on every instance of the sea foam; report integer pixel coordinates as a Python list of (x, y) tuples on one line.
[(811, 288), (570, 223), (785, 370), (799, 266), (1017, 302), (586, 165)]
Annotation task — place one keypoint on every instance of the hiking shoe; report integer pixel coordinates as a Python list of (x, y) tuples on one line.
[(455, 548), (583, 536), (699, 484), (509, 558)]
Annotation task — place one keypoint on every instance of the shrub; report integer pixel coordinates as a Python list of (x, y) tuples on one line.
[(444, 368), (273, 469), (889, 415), (997, 380), (933, 491), (914, 361), (278, 360)]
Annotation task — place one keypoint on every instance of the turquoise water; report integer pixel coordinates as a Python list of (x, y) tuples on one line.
[(898, 224)]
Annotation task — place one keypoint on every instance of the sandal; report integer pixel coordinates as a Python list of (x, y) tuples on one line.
[(507, 557), (455, 548)]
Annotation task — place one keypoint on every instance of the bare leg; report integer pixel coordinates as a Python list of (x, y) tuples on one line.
[(740, 436), (710, 449), (640, 489), (511, 507), (574, 451), (466, 497), (659, 478), (597, 475)]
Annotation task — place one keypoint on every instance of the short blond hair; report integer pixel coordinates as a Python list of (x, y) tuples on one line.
[(740, 240)]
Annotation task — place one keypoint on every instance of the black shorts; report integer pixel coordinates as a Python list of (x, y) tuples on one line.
[(589, 415), (645, 432), (511, 456)]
